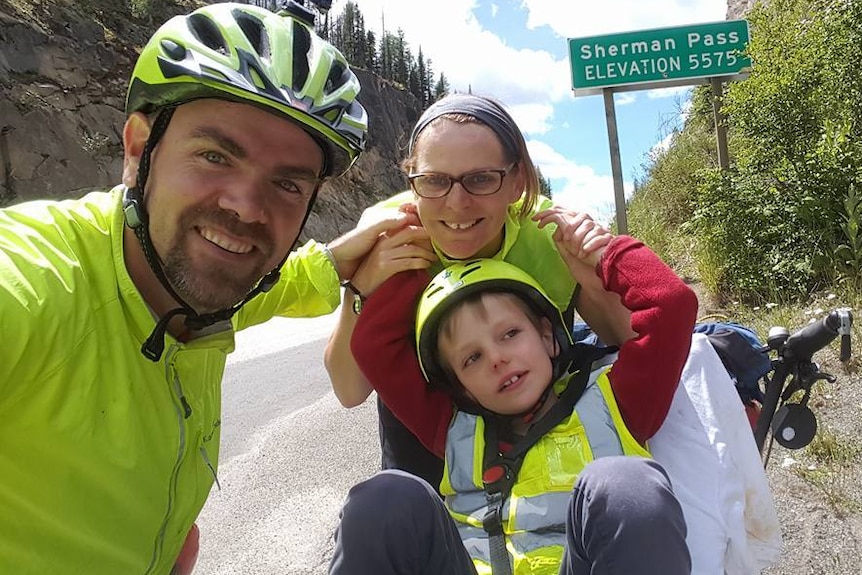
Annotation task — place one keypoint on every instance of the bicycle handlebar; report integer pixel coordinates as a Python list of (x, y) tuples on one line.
[(803, 344), (795, 350)]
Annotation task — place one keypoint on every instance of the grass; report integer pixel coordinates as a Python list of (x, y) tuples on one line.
[(830, 467), (832, 462)]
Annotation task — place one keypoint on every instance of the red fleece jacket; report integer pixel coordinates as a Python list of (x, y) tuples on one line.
[(644, 377)]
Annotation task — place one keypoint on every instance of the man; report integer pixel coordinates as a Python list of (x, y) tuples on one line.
[(118, 309)]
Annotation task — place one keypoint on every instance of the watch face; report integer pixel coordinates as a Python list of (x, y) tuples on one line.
[(357, 304)]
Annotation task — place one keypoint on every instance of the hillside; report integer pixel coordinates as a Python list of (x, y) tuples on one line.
[(64, 65)]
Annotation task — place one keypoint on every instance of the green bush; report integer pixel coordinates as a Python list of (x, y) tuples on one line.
[(782, 222)]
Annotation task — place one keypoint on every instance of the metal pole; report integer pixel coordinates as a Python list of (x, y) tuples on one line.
[(720, 122), (616, 165)]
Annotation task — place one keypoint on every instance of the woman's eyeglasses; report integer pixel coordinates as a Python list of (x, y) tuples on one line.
[(482, 183)]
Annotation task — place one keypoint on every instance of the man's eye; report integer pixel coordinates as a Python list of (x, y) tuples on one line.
[(290, 186), (298, 186), (214, 157)]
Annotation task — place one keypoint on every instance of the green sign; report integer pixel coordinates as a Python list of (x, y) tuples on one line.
[(659, 58)]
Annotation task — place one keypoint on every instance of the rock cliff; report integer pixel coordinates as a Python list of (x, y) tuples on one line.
[(64, 66)]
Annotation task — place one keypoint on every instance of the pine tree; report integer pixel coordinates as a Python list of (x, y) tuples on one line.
[(441, 88), (544, 183)]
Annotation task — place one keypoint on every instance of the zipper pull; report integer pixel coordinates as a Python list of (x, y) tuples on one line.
[(187, 409), (210, 465)]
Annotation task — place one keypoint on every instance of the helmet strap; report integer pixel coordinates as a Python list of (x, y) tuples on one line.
[(138, 220)]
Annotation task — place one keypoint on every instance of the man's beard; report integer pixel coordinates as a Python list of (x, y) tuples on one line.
[(209, 288)]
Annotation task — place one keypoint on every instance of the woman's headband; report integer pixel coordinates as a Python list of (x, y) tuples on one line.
[(486, 111)]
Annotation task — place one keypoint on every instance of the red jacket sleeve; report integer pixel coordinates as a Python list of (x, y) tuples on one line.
[(664, 310), (383, 346)]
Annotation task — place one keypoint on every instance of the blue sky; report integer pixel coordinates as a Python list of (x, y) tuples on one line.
[(517, 52)]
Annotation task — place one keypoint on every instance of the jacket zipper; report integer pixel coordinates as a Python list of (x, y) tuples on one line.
[(183, 411), (210, 465)]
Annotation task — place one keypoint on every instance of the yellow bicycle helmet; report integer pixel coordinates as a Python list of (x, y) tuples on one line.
[(248, 54), (458, 282)]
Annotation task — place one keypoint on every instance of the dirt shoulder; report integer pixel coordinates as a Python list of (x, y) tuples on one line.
[(818, 489)]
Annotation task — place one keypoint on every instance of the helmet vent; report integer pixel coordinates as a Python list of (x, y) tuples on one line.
[(332, 114), (207, 33), (469, 269), (254, 31), (301, 47), (430, 293), (336, 77)]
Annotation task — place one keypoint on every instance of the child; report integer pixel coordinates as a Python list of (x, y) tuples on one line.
[(531, 417)]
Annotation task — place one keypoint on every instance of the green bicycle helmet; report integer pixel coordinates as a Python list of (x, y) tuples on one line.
[(458, 282), (231, 51)]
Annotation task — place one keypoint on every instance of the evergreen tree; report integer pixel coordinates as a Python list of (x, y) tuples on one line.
[(402, 60), (441, 88), (371, 52), (544, 183)]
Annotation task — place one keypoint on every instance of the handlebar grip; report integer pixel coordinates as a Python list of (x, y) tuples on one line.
[(807, 341), (846, 317)]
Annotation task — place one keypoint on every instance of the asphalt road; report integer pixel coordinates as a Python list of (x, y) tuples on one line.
[(289, 454)]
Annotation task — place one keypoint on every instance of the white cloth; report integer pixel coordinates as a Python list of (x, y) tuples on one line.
[(707, 447)]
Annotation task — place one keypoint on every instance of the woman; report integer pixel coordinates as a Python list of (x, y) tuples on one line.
[(474, 193)]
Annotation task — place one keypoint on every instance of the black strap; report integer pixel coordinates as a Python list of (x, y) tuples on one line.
[(501, 469)]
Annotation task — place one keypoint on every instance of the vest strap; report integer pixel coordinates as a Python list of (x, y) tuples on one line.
[(493, 524), (498, 486)]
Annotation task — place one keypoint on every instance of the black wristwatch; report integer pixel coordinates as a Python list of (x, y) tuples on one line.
[(358, 298)]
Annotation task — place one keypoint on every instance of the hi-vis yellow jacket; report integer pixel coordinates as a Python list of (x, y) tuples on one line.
[(106, 458), (534, 516)]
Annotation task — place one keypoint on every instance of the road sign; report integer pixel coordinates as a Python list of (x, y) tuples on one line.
[(660, 57)]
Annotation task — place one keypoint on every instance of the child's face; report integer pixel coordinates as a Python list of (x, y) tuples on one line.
[(498, 354)]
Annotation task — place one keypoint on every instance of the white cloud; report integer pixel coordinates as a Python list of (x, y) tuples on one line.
[(624, 98), (677, 91), (533, 119), (574, 19), (470, 56), (663, 145), (575, 186)]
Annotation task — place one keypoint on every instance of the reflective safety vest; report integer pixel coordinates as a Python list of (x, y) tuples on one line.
[(534, 516)]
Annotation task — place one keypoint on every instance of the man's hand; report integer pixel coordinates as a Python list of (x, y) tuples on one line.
[(351, 248)]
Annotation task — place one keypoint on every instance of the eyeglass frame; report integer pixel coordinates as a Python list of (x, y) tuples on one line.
[(459, 180)]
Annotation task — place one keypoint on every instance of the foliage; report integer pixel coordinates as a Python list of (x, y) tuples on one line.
[(849, 253), (664, 199), (784, 220), (390, 57), (544, 183)]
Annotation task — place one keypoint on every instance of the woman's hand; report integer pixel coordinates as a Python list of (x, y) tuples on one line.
[(580, 240), (350, 249), (406, 248), (394, 249)]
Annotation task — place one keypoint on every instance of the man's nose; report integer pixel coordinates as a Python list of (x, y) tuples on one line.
[(245, 198)]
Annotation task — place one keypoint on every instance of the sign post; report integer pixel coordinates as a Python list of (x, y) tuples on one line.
[(658, 58)]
